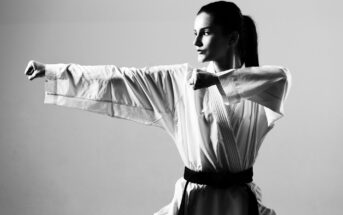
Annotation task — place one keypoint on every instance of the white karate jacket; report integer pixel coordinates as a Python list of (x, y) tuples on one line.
[(219, 128)]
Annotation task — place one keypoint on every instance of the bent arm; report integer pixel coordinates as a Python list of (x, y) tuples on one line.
[(265, 85), (146, 95)]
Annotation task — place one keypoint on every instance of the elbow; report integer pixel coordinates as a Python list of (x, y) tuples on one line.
[(284, 74), (280, 75), (286, 79)]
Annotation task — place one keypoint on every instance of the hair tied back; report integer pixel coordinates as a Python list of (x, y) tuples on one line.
[(248, 47)]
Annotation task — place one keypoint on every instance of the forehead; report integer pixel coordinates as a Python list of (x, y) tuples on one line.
[(203, 20)]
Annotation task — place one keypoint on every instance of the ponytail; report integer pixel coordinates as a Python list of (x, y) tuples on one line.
[(247, 46)]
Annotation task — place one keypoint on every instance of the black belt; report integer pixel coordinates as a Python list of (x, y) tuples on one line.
[(220, 180)]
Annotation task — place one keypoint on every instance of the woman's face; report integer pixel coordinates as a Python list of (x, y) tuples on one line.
[(210, 42)]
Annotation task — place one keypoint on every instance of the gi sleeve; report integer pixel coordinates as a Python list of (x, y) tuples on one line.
[(146, 95), (265, 85)]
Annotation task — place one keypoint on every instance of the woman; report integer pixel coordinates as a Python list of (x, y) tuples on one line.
[(218, 116)]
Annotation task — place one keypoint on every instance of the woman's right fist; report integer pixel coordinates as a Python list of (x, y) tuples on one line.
[(34, 70)]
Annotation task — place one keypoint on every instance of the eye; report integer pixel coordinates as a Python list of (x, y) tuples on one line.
[(206, 32)]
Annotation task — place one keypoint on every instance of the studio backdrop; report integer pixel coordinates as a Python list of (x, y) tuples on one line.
[(59, 161)]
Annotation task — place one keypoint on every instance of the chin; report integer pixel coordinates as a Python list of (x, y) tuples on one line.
[(202, 59)]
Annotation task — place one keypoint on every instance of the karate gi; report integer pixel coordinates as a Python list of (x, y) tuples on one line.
[(219, 128)]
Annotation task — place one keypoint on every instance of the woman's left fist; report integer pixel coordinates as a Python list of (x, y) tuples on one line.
[(201, 79)]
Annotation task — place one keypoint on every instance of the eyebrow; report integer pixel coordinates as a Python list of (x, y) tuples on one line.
[(204, 28)]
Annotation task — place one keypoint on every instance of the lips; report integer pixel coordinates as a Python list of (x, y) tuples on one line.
[(200, 51)]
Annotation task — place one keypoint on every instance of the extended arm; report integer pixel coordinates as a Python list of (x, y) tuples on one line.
[(146, 95)]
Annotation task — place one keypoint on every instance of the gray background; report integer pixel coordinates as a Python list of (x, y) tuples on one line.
[(62, 161)]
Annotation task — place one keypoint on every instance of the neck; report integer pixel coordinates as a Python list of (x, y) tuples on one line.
[(232, 62)]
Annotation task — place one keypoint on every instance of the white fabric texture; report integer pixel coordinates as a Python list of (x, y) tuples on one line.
[(219, 128)]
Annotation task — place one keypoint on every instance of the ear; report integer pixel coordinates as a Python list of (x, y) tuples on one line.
[(233, 38)]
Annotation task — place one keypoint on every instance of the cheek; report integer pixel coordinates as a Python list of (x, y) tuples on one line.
[(220, 47), (210, 42), (215, 44)]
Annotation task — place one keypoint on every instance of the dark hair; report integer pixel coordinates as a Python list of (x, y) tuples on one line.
[(229, 17)]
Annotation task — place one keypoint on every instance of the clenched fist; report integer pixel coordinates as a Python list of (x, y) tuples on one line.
[(201, 79), (34, 70)]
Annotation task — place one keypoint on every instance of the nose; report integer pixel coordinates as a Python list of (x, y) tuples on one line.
[(197, 41)]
